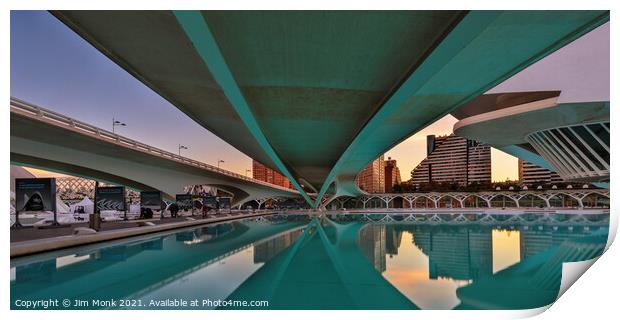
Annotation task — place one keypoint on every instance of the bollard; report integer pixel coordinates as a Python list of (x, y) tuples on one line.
[(94, 221)]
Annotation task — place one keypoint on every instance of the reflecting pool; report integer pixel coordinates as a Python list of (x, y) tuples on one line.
[(327, 262)]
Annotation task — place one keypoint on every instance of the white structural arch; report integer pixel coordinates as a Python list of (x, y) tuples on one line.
[(487, 197)]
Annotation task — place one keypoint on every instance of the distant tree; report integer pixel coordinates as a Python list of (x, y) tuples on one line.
[(408, 187), (397, 188)]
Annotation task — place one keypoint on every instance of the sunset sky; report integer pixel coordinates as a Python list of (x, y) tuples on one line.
[(56, 69)]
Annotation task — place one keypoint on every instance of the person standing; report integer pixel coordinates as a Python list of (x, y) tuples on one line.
[(174, 210), (205, 210)]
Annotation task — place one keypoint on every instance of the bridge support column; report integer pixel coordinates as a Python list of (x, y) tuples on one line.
[(516, 201), (387, 202), (260, 202)]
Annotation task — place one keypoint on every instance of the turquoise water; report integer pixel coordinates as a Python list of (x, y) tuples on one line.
[(331, 262)]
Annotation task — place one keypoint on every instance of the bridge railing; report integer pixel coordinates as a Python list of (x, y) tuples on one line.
[(40, 113)]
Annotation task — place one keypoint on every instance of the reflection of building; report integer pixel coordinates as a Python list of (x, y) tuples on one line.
[(262, 173), (392, 175), (466, 253), (372, 178), (453, 159), (266, 250), (480, 252), (393, 237), (530, 174), (457, 253), (536, 241), (377, 241), (373, 245)]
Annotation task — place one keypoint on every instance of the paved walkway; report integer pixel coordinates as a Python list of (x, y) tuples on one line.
[(30, 233)]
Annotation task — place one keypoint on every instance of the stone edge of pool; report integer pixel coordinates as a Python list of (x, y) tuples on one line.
[(29, 247)]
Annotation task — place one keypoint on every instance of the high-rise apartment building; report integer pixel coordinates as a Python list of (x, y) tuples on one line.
[(530, 173), (372, 178), (262, 173), (392, 174), (454, 159)]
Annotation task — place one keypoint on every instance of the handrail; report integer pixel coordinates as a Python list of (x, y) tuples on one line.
[(603, 192), (34, 111)]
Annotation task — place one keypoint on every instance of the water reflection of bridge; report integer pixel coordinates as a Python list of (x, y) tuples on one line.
[(324, 269), (535, 281), (329, 263), (466, 253), (460, 252), (132, 269)]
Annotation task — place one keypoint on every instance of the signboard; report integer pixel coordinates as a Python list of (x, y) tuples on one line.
[(210, 202), (184, 201), (35, 194), (151, 200), (110, 198), (224, 203)]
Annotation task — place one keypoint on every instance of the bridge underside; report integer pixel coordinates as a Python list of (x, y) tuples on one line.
[(318, 95), (41, 145), (325, 264), (494, 103), (83, 172)]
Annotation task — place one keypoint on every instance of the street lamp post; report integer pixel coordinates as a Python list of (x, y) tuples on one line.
[(218, 163), (117, 123), (182, 147)]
